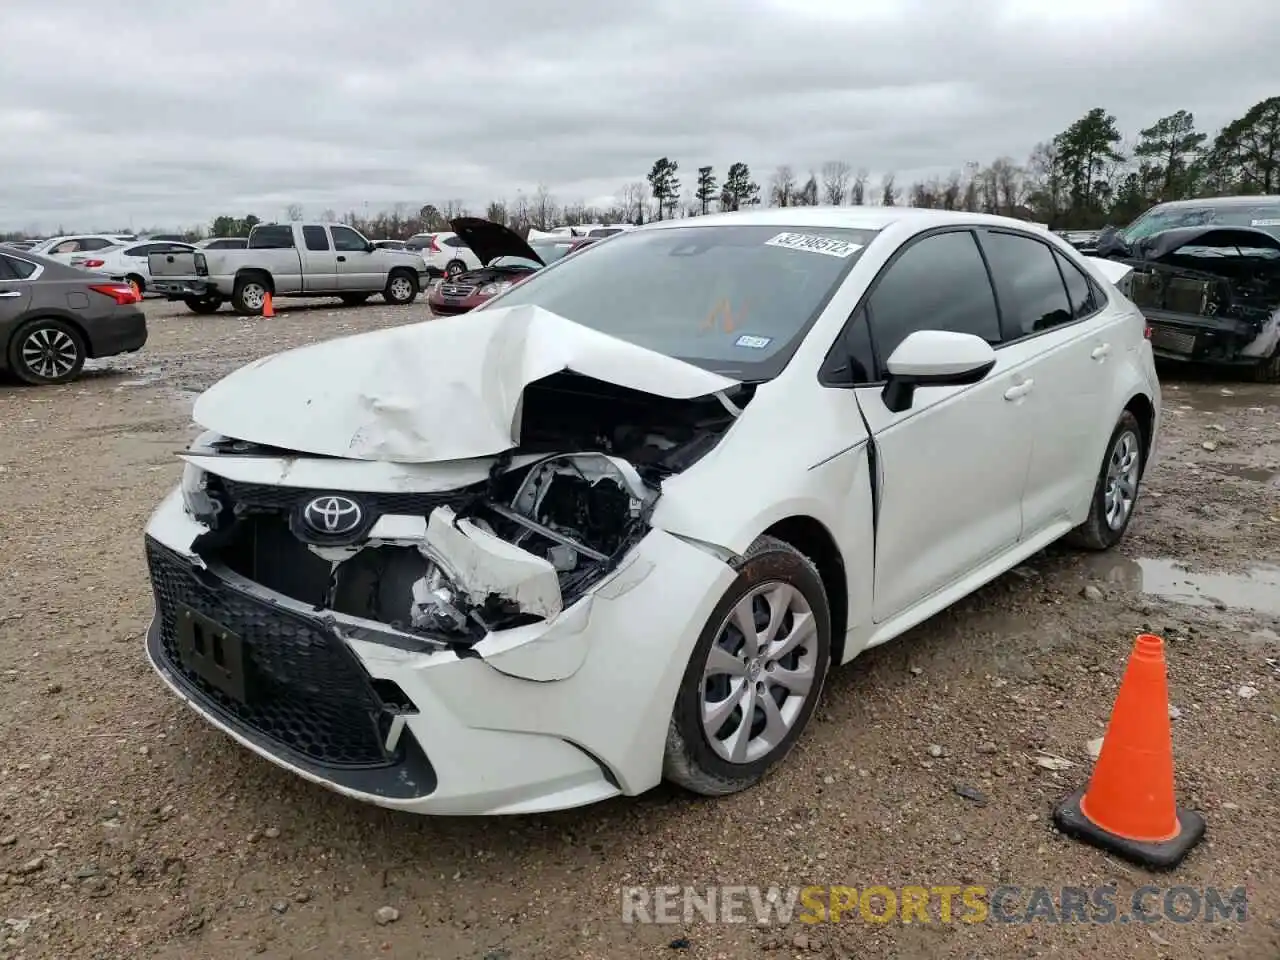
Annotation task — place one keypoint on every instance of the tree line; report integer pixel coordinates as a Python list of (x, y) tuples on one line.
[(1088, 175)]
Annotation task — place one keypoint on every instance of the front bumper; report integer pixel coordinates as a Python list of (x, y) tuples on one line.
[(1220, 340), (123, 331), (548, 716)]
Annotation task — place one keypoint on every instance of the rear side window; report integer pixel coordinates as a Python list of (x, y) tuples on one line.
[(938, 283), (316, 238), (1085, 301), (1029, 287), (12, 268), (274, 237)]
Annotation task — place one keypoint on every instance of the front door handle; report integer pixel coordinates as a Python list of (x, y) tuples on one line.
[(1100, 352), (342, 259), (10, 294), (1019, 390)]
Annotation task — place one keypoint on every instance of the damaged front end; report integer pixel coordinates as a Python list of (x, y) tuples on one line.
[(447, 568), (1210, 294)]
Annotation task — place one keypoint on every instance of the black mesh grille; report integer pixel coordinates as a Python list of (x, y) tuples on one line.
[(266, 497), (305, 691)]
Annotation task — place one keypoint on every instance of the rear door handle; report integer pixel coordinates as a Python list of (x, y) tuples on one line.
[(1100, 352), (10, 294), (342, 259), (1019, 390)]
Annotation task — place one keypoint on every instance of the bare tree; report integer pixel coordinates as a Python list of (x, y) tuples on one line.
[(1010, 186), (889, 190), (634, 198), (858, 189), (783, 187), (497, 212), (951, 190), (293, 212), (544, 207), (835, 181), (521, 218), (329, 216), (453, 208)]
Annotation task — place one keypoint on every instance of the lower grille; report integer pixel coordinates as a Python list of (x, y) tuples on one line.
[(304, 690), (1175, 341)]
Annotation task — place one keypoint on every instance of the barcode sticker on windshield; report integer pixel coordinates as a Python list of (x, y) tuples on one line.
[(755, 343), (1273, 222), (827, 246)]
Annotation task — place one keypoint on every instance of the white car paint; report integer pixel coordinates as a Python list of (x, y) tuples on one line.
[(128, 261), (966, 482)]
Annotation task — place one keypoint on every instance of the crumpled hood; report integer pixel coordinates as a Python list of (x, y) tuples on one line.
[(443, 389)]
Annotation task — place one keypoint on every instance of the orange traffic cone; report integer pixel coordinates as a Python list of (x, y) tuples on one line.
[(1128, 807), (137, 292), (267, 309)]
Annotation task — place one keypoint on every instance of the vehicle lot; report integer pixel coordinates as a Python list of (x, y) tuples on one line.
[(148, 833)]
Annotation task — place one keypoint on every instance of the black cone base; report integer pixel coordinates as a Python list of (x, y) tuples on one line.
[(1154, 856)]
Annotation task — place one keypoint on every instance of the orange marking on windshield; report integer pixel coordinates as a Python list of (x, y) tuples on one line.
[(721, 317)]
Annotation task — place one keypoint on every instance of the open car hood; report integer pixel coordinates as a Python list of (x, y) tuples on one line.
[(1158, 246), (444, 389), (489, 240)]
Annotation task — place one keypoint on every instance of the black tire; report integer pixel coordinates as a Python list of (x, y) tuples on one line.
[(247, 297), (690, 759), (46, 351), (1269, 370), (401, 289), (1097, 533), (354, 299), (203, 305), (453, 268)]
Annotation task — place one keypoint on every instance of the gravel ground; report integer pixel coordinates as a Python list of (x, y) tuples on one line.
[(130, 828)]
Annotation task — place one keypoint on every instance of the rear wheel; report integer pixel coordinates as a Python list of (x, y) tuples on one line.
[(454, 268), (46, 351), (401, 289), (249, 296), (354, 299), (755, 674), (203, 305), (1116, 492), (1269, 370)]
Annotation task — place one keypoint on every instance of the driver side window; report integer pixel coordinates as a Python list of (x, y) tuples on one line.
[(937, 283), (347, 240)]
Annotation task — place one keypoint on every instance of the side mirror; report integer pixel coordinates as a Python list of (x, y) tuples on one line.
[(370, 247), (935, 358)]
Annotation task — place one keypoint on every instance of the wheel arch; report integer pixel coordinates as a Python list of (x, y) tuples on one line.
[(1144, 412), (258, 273), (812, 538)]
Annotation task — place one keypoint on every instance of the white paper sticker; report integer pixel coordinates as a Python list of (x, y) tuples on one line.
[(755, 343), (810, 243), (1273, 222)]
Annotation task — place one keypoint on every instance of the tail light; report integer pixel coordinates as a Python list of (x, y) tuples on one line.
[(432, 245), (121, 293), (1146, 331), (91, 264), (201, 264)]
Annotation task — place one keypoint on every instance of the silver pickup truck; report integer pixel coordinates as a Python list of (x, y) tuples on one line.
[(289, 260)]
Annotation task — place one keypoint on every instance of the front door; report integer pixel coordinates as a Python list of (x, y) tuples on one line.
[(951, 468), (15, 292), (358, 268)]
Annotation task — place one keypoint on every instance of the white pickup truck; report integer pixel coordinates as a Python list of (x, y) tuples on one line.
[(289, 260)]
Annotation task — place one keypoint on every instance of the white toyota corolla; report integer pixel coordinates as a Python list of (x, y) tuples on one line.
[(620, 523)]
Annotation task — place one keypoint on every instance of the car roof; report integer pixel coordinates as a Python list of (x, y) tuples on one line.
[(1244, 201), (857, 218)]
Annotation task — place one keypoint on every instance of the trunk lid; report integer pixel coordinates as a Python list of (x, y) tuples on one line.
[(164, 265)]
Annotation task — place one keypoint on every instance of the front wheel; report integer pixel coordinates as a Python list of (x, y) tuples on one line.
[(755, 674), (1116, 492), (47, 351), (401, 289)]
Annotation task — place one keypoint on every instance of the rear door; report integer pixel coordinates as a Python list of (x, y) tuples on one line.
[(15, 292), (358, 269), (1052, 315), (319, 263)]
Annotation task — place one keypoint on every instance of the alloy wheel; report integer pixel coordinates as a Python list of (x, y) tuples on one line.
[(759, 672), (49, 352), (1121, 488)]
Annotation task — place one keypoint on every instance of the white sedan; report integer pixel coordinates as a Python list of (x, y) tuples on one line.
[(619, 524), (129, 262)]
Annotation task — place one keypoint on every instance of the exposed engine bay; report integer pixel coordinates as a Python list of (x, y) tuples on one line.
[(1211, 293), (451, 566)]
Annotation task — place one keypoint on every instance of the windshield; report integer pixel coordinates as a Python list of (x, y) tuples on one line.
[(1262, 216), (733, 299), (521, 262)]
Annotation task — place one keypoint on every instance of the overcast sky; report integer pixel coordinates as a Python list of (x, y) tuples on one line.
[(151, 112)]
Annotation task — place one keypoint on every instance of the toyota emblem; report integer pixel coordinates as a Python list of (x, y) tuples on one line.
[(332, 515)]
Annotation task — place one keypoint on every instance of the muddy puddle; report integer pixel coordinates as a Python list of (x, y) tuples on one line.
[(1256, 589), (1244, 472), (1214, 398)]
